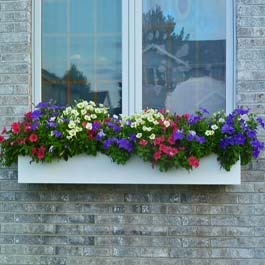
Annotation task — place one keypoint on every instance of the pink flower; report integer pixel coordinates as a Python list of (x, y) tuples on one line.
[(4, 130), (28, 115), (34, 151), (186, 116), (193, 162), (41, 152), (15, 126), (33, 138), (159, 140), (157, 155), (2, 139), (170, 140), (143, 142)]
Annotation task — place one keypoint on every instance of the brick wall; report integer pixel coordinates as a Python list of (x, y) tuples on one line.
[(134, 224)]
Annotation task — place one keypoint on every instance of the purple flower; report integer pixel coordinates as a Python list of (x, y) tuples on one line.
[(57, 134), (193, 119), (129, 122), (178, 135), (107, 143), (132, 137), (42, 105), (240, 139), (53, 124), (227, 129), (203, 110), (251, 134), (261, 122), (115, 127), (226, 142), (241, 111), (190, 137), (36, 114), (125, 144), (257, 147), (200, 139), (100, 135), (96, 126), (35, 125)]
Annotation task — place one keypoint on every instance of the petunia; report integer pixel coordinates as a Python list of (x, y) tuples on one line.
[(15, 126), (33, 138), (193, 161)]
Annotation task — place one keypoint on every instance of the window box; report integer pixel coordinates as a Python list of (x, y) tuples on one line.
[(101, 170)]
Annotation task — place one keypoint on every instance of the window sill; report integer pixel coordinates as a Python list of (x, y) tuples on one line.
[(100, 170)]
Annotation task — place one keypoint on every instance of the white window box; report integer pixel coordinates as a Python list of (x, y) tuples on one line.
[(101, 170)]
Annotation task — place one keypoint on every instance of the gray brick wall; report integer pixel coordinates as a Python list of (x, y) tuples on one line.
[(134, 224)]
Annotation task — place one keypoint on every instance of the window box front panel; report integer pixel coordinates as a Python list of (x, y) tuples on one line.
[(101, 170)]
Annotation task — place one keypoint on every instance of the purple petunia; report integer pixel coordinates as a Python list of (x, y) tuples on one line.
[(100, 135), (95, 126), (191, 136), (226, 142), (193, 119), (200, 139), (35, 125), (261, 122), (125, 144), (115, 127), (132, 137), (241, 111), (178, 135), (43, 105), (204, 110), (36, 114), (227, 129), (239, 139), (108, 142), (57, 134)]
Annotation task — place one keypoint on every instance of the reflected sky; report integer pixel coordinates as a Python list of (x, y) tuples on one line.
[(203, 19)]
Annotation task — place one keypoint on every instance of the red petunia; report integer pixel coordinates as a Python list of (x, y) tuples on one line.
[(143, 142), (90, 135), (171, 140), (2, 139), (15, 126), (157, 155), (28, 116), (33, 138), (159, 140), (34, 151), (186, 116), (4, 130), (41, 152), (193, 161)]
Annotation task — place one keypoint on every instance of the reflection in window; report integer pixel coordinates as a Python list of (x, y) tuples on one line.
[(81, 51), (184, 54)]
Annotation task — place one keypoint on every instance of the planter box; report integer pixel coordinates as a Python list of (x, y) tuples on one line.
[(101, 170)]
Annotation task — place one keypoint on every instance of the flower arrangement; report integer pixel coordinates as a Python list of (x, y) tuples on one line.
[(167, 141)]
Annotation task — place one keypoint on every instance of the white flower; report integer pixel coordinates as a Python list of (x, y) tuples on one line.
[(89, 126), (90, 108), (139, 135), (209, 133), (83, 111), (221, 120), (80, 105), (97, 110), (148, 129), (72, 133), (155, 122), (152, 136), (92, 103), (193, 133), (214, 127), (71, 124), (101, 105), (94, 116), (167, 123), (150, 118), (115, 117)]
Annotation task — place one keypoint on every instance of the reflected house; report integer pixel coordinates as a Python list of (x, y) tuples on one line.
[(164, 71), (100, 96)]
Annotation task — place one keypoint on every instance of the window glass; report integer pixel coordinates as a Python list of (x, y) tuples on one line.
[(81, 51), (184, 54)]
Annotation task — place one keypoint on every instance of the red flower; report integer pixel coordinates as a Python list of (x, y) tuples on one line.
[(107, 119), (23, 141), (90, 135), (170, 151), (27, 129), (84, 124), (143, 142), (157, 155), (2, 139), (193, 161), (163, 110), (171, 140), (41, 152), (159, 140), (186, 116), (28, 115), (4, 130), (33, 138), (34, 151), (15, 126)]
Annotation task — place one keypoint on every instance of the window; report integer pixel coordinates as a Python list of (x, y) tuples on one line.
[(133, 54)]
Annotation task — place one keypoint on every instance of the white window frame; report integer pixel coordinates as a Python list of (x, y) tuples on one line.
[(132, 55)]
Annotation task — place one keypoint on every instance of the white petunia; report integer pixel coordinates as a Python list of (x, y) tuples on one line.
[(167, 123), (94, 116), (89, 126), (214, 127), (152, 136), (209, 133), (139, 135), (71, 124), (80, 105)]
